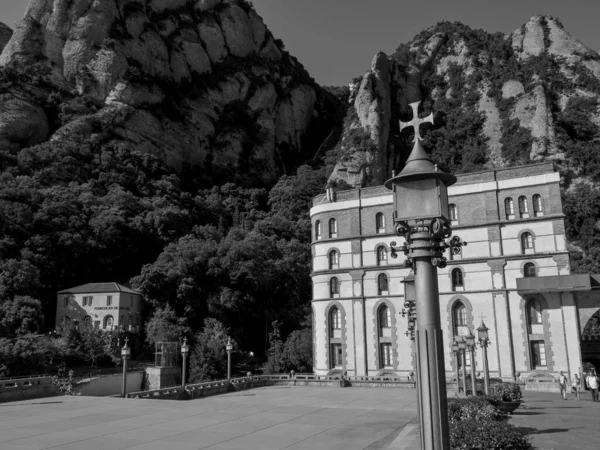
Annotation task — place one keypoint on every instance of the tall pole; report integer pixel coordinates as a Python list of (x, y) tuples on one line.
[(486, 372), (184, 370), (124, 389), (457, 356), (228, 365), (473, 377), (431, 380), (464, 370)]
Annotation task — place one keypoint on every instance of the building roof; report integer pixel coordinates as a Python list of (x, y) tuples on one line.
[(97, 288)]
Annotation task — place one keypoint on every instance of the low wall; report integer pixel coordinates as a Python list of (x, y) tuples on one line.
[(106, 385), (16, 389)]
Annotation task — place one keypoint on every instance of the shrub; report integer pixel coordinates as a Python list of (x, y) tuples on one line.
[(506, 392), (473, 435), (480, 409)]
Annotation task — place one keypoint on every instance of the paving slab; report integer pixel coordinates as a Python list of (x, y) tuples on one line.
[(269, 418)]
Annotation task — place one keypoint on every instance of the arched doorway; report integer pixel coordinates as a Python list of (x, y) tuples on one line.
[(590, 342)]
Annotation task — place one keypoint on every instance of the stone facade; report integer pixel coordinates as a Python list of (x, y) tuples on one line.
[(506, 239)]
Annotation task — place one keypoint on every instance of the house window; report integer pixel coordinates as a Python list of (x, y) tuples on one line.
[(66, 321), (336, 355), (385, 349), (335, 318), (318, 230), (109, 322), (66, 301), (87, 322), (334, 287), (534, 312), (380, 222), (382, 284), (523, 207), (122, 321), (509, 208), (87, 300), (130, 321), (108, 300), (527, 243), (334, 259), (457, 280), (333, 230), (453, 212), (537, 206), (538, 354), (529, 270), (381, 255), (459, 315)]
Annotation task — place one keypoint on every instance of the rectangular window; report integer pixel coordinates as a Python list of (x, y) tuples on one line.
[(336, 355), (66, 301), (386, 354), (87, 300), (108, 300), (538, 354)]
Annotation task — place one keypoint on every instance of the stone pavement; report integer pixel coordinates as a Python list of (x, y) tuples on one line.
[(267, 418)]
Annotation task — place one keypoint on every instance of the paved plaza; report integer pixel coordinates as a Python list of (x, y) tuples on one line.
[(267, 418)]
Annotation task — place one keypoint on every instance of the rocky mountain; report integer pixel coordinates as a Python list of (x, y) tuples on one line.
[(529, 96), (200, 83), (5, 34)]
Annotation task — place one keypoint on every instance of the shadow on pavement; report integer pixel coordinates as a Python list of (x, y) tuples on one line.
[(528, 430)]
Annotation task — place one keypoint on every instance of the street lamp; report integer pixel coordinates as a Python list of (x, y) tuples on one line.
[(462, 348), (421, 217), (184, 352), (228, 347), (470, 341), (125, 354), (456, 353), (482, 334)]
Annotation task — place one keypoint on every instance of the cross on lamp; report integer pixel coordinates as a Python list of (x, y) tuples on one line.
[(416, 122)]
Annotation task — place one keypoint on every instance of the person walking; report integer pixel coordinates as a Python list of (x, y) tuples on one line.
[(593, 383), (575, 385), (562, 383)]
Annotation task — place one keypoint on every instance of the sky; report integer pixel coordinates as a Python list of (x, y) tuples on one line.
[(336, 40)]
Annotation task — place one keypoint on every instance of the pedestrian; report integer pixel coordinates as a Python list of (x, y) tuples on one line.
[(562, 384), (575, 385), (593, 383)]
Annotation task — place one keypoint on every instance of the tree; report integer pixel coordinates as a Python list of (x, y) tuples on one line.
[(208, 359), (94, 345), (21, 315), (277, 361), (298, 350), (165, 326)]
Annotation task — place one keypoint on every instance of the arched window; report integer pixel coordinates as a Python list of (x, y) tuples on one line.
[(385, 317), (334, 259), (509, 208), (457, 280), (109, 322), (129, 320), (529, 270), (333, 231), (87, 322), (534, 312), (122, 322), (381, 255), (523, 207), (382, 284), (66, 321), (453, 212), (336, 358), (334, 287), (538, 209), (318, 230), (380, 222), (527, 242), (459, 316), (335, 318)]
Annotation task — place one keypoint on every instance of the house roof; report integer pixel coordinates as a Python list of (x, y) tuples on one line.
[(97, 288)]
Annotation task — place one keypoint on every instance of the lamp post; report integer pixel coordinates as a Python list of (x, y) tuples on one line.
[(462, 348), (470, 341), (482, 334), (456, 353), (421, 217), (228, 347), (184, 352), (125, 354)]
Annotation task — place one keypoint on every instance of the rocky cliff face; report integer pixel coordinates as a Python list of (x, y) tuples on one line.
[(197, 82), (500, 99), (5, 34)]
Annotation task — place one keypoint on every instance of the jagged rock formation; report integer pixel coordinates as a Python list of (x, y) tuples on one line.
[(505, 99), (198, 82), (5, 34)]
